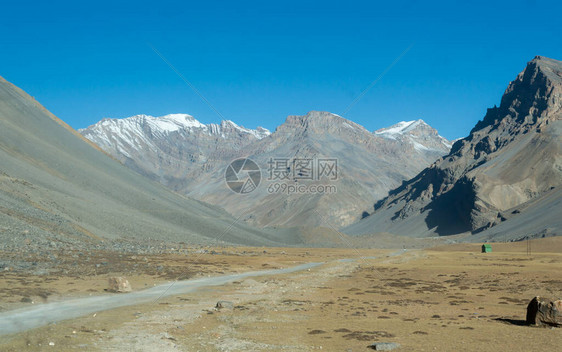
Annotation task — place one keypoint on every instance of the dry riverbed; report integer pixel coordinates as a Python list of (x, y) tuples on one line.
[(450, 298)]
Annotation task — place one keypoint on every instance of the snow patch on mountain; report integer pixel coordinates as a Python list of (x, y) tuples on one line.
[(422, 136), (259, 132), (125, 128), (400, 128)]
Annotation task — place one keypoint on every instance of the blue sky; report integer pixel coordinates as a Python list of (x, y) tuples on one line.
[(259, 61)]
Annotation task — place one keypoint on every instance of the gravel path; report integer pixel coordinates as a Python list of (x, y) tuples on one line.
[(32, 317)]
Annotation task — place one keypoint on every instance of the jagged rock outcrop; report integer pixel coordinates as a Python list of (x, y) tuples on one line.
[(510, 158)]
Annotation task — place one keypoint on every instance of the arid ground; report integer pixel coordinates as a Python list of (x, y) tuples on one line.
[(449, 298)]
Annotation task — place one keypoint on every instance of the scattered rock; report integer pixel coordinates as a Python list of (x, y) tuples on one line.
[(543, 311), (384, 346), (316, 332), (119, 284), (26, 300), (224, 304)]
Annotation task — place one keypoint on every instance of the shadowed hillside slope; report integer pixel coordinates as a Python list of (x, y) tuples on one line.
[(56, 187)]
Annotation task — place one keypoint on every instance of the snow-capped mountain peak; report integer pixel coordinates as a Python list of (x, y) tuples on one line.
[(144, 137), (180, 120), (259, 132), (167, 124), (418, 133), (173, 122), (400, 128)]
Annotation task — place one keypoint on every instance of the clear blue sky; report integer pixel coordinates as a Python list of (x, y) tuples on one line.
[(259, 61)]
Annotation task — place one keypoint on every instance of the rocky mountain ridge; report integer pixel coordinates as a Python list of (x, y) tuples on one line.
[(510, 158), (156, 146), (192, 161), (418, 133)]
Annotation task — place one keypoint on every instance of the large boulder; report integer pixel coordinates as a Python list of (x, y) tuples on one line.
[(543, 311), (119, 284)]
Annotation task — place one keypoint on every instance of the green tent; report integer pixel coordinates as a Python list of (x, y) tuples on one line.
[(486, 248)]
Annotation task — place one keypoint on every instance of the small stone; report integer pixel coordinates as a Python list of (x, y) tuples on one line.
[(384, 346), (224, 304), (51, 343)]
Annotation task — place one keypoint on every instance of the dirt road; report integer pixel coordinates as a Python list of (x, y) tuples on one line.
[(32, 317)]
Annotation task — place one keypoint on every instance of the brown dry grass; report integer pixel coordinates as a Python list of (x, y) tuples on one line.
[(446, 299)]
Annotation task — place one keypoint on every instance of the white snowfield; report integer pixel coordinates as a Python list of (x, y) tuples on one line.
[(126, 128)]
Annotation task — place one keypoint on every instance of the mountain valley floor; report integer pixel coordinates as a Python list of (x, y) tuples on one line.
[(446, 298)]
